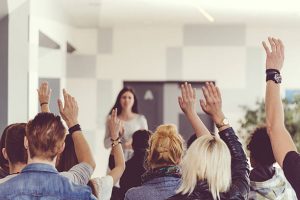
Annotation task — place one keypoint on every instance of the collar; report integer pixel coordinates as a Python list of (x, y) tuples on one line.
[(39, 167), (168, 171)]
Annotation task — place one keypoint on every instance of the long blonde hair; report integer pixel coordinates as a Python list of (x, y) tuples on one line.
[(166, 147), (207, 159)]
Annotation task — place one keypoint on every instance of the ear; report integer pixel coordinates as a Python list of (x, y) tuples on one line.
[(25, 142), (4, 153), (62, 148)]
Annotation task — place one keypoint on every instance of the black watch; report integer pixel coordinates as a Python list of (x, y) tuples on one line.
[(276, 77)]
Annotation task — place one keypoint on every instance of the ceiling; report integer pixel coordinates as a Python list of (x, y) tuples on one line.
[(92, 13)]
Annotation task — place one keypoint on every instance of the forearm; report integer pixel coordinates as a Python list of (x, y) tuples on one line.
[(197, 124), (281, 139), (82, 149), (274, 107), (45, 108), (239, 165), (117, 172)]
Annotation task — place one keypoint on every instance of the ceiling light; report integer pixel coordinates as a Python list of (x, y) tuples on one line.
[(206, 14)]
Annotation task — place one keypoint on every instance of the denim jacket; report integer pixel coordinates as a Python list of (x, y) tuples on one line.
[(42, 182)]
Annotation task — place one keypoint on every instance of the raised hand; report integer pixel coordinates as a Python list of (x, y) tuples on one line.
[(212, 105), (68, 111), (44, 94), (275, 57), (187, 99), (115, 125)]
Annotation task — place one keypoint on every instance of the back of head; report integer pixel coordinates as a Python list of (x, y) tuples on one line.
[(67, 159), (14, 144), (166, 147), (207, 159), (3, 162), (140, 140), (45, 135), (260, 147)]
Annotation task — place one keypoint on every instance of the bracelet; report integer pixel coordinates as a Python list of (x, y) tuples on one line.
[(118, 139), (44, 103), (115, 143), (74, 128), (272, 71)]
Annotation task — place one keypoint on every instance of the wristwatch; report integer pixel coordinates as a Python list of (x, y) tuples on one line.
[(224, 122), (276, 77)]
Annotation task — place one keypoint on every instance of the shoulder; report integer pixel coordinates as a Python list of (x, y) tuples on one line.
[(136, 192)]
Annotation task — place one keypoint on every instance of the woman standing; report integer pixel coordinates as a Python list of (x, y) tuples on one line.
[(127, 111)]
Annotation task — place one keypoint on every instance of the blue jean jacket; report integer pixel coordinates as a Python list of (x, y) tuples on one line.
[(42, 182)]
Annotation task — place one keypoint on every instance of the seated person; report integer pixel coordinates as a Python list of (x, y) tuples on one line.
[(44, 140), (266, 181), (14, 151), (135, 165), (101, 187), (284, 149), (163, 175), (215, 165)]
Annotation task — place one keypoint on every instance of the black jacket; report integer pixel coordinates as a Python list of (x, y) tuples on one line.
[(133, 172), (240, 174)]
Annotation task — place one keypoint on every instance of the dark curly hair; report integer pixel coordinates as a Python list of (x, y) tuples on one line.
[(260, 147)]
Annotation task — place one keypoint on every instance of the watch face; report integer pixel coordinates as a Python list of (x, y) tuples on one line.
[(277, 78), (225, 121)]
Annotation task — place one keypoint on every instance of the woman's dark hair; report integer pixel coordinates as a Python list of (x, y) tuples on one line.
[(68, 159), (260, 147), (3, 162), (118, 104), (140, 140)]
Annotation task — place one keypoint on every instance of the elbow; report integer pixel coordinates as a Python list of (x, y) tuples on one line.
[(274, 127), (93, 165)]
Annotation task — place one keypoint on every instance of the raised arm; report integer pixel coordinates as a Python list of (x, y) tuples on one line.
[(239, 165), (115, 125), (44, 94), (69, 112), (280, 138), (212, 105), (187, 102)]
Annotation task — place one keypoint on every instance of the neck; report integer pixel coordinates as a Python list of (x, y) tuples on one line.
[(126, 114), (42, 160), (16, 168)]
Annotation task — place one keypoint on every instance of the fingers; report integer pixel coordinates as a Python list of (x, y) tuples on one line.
[(281, 47), (180, 102), (266, 48), (183, 92), (60, 106), (272, 43), (206, 94), (203, 105)]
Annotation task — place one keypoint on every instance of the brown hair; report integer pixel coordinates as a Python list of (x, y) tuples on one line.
[(14, 144), (166, 146), (46, 135)]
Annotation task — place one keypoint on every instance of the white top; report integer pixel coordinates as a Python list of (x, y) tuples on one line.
[(130, 126), (103, 187), (78, 174)]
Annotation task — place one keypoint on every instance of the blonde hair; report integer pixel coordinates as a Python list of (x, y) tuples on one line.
[(166, 146), (207, 159)]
